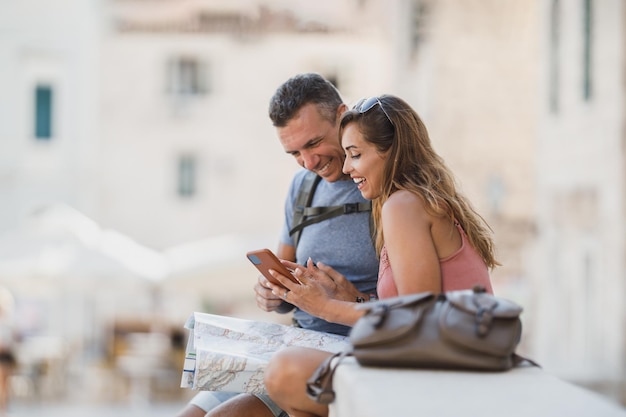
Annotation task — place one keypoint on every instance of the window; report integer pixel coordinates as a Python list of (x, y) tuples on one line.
[(496, 194), (186, 77), (418, 15), (587, 43), (187, 176), (555, 40), (43, 112)]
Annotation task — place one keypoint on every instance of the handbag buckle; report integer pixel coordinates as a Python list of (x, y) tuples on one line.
[(484, 316), (377, 314)]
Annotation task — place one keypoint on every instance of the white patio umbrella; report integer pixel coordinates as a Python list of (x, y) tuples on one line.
[(75, 277), (59, 240)]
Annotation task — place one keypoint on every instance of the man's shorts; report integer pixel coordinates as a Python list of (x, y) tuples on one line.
[(208, 400)]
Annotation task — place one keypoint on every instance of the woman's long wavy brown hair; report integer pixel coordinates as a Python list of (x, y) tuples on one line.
[(413, 165)]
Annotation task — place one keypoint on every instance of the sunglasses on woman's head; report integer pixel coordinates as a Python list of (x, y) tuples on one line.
[(366, 104)]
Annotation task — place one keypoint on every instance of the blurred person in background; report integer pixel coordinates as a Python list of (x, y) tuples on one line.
[(305, 111), (7, 339)]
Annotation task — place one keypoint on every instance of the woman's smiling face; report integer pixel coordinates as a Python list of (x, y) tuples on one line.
[(363, 162)]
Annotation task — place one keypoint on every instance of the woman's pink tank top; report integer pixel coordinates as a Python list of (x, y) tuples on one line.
[(460, 271)]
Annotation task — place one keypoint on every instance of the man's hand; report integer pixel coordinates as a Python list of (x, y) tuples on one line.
[(266, 300)]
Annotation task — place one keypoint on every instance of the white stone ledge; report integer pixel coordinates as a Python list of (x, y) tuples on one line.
[(525, 391)]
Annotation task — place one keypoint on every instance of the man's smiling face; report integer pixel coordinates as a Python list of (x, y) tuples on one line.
[(314, 142)]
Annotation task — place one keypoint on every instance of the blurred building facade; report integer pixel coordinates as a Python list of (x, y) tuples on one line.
[(150, 116), (578, 272)]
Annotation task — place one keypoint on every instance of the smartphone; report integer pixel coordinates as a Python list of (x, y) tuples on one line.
[(264, 260)]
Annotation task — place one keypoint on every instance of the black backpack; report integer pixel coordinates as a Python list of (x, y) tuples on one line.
[(305, 215)]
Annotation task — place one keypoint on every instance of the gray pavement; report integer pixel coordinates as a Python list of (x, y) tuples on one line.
[(156, 409)]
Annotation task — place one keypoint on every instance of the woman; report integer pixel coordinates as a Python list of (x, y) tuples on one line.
[(428, 235)]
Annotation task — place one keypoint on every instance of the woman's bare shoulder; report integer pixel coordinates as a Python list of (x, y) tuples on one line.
[(402, 198), (403, 201)]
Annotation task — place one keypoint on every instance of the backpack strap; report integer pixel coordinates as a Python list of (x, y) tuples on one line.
[(304, 215), (303, 200), (324, 213)]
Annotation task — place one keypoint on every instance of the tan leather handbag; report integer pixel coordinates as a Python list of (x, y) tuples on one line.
[(469, 330)]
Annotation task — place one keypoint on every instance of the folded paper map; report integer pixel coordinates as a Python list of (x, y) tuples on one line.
[(230, 354)]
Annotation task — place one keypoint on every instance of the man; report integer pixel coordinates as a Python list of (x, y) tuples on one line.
[(305, 111)]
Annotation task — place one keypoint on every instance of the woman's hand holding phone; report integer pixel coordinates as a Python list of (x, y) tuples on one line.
[(314, 290), (265, 260)]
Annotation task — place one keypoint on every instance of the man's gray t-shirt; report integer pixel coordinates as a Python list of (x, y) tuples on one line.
[(342, 242)]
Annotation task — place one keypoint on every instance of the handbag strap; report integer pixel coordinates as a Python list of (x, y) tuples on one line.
[(319, 387), (519, 359)]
